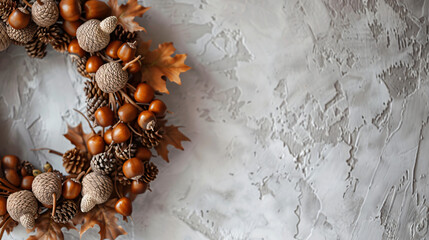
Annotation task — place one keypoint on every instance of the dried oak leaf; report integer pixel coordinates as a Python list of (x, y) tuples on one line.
[(157, 65), (78, 137), (47, 229), (172, 136), (104, 216), (9, 226), (126, 14)]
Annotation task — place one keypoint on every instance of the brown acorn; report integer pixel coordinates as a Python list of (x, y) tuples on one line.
[(95, 9), (71, 188), (71, 27), (27, 182), (124, 206), (138, 187), (147, 120), (127, 51), (19, 18), (158, 107), (95, 144), (127, 113), (70, 10), (133, 168), (144, 93), (121, 133), (12, 177), (93, 64), (10, 162), (112, 49)]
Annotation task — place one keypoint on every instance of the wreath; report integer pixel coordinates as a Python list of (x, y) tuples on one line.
[(109, 166)]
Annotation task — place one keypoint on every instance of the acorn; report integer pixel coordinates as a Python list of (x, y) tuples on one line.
[(147, 120), (10, 162), (23, 35), (95, 9), (111, 78), (27, 182), (47, 188), (4, 38), (22, 207), (3, 207), (70, 10), (96, 189), (138, 187), (127, 51), (13, 177), (45, 12), (71, 27), (94, 35), (71, 188), (124, 206), (19, 18), (133, 168)]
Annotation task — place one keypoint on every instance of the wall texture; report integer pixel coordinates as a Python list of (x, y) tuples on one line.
[(308, 119)]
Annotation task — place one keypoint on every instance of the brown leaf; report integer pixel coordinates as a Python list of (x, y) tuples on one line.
[(158, 65), (172, 136), (104, 216), (78, 137), (47, 229), (126, 14)]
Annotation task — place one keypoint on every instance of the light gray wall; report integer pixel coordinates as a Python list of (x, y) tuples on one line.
[(308, 119)]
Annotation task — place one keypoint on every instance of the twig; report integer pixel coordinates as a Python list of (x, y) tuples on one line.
[(80, 175), (49, 151), (89, 123), (134, 131), (130, 100), (29, 5), (8, 185), (54, 206), (131, 62)]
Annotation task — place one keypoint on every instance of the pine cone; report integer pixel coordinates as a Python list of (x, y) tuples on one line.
[(35, 48), (124, 152), (81, 65), (122, 35), (150, 172), (55, 36), (103, 163), (151, 138), (75, 161), (65, 212), (121, 177), (95, 98), (6, 8)]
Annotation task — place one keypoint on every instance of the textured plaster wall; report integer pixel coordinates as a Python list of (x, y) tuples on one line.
[(308, 119)]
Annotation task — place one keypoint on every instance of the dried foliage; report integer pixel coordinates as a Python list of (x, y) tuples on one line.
[(126, 14), (104, 216), (47, 229), (172, 136), (78, 137)]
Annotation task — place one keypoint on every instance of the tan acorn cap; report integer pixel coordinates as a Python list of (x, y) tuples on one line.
[(110, 77), (22, 207), (45, 14), (94, 35), (4, 38), (22, 35), (44, 185), (96, 189)]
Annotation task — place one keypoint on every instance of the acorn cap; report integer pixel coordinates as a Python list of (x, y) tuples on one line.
[(94, 35), (45, 15), (22, 207), (4, 38), (22, 35), (44, 185), (110, 77), (96, 189)]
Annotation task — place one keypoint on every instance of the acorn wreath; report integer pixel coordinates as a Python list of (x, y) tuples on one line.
[(111, 165)]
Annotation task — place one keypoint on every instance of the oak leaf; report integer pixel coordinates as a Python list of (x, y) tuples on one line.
[(159, 65), (171, 136), (126, 14), (78, 137), (47, 229), (104, 216)]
